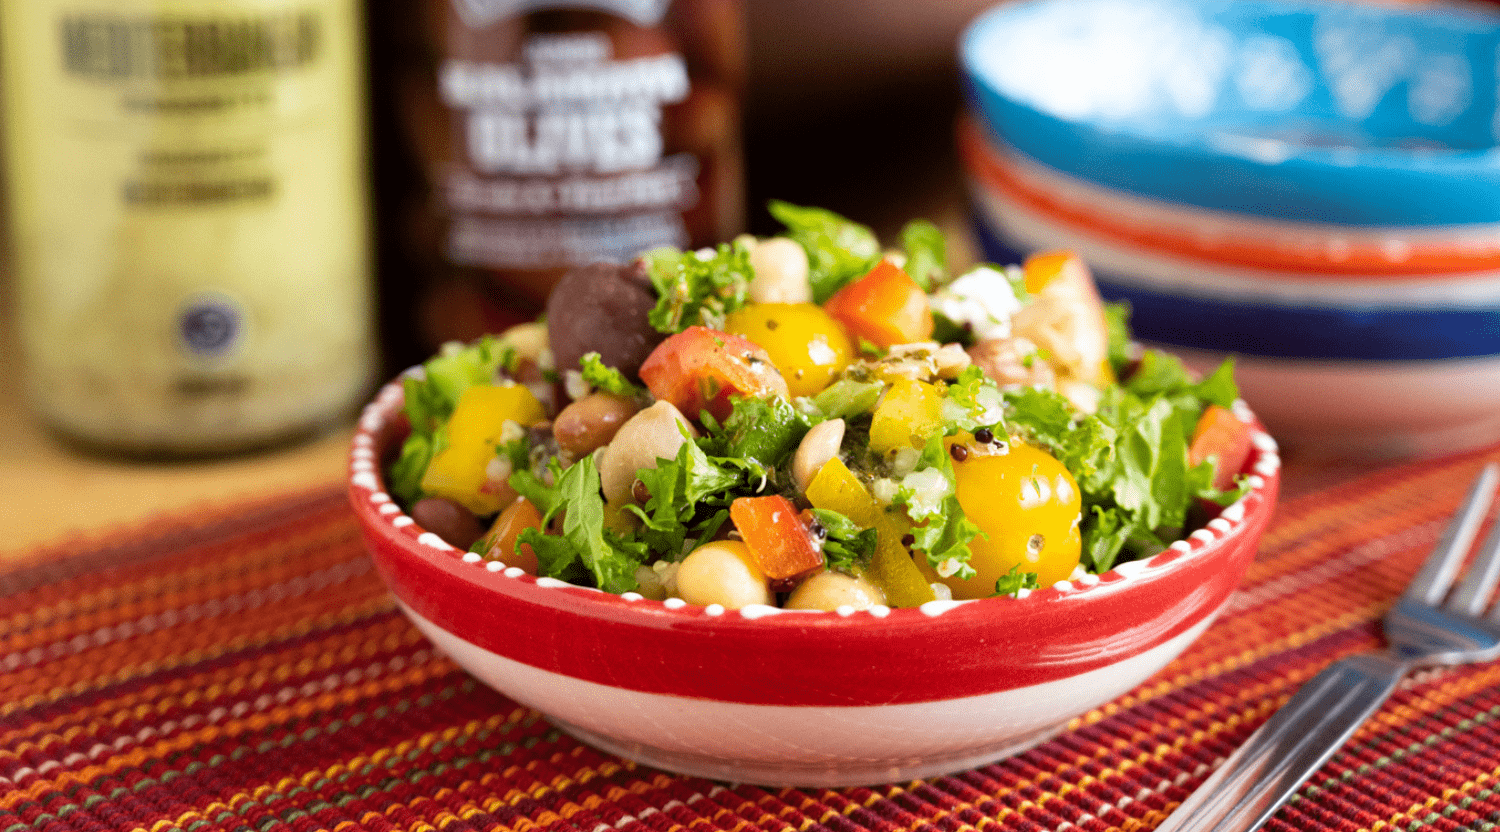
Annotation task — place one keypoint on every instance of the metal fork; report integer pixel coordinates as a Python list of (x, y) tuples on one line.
[(1421, 630)]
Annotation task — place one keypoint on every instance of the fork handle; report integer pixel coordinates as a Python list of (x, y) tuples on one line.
[(1268, 769)]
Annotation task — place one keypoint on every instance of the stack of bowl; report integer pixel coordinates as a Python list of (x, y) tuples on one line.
[(1312, 187)]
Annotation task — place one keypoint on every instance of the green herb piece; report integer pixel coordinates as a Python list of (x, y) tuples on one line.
[(765, 430), (586, 551), (941, 530), (946, 331), (690, 497), (838, 250), (696, 290), (846, 398), (607, 379), (973, 401), (1162, 374), (926, 254), (847, 546), (1120, 351), (1014, 581)]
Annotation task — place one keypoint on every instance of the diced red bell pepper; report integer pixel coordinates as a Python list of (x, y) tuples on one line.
[(1221, 434), (699, 369), (884, 307), (781, 545)]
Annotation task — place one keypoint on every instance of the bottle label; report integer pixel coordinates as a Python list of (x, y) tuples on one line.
[(564, 153), (109, 46), (211, 325), (187, 186)]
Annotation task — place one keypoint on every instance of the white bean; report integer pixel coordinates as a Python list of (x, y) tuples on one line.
[(830, 590), (819, 445), (781, 270), (722, 573), (654, 433)]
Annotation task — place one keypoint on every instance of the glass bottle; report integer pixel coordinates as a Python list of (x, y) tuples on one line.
[(189, 217), (542, 135)]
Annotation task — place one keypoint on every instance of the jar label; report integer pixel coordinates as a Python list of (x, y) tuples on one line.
[(480, 13), (565, 155)]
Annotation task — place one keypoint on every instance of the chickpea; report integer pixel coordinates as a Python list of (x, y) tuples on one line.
[(529, 340), (591, 422), (781, 270), (829, 590), (819, 445), (723, 573)]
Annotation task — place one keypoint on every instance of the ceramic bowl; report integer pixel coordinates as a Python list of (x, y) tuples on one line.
[(1312, 186), (786, 698)]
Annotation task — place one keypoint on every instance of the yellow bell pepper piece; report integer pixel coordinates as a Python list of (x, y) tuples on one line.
[(909, 413), (457, 472), (835, 488)]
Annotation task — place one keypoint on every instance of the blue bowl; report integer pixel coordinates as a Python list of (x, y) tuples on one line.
[(1334, 112), (1312, 187)]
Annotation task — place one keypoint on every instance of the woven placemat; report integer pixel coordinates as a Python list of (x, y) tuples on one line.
[(246, 670)]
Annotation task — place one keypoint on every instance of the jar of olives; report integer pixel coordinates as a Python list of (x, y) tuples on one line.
[(537, 135)]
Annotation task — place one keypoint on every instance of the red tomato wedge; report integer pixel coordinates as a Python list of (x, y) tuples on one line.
[(699, 368), (778, 542), (1221, 434), (884, 307)]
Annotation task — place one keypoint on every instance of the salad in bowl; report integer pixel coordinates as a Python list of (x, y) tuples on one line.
[(810, 421), (813, 511)]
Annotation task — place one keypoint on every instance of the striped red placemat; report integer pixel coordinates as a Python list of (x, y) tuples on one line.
[(246, 671)]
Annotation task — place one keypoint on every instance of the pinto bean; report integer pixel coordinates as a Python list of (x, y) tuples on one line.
[(591, 422), (447, 519)]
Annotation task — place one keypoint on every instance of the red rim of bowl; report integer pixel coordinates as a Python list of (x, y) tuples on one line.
[(766, 656)]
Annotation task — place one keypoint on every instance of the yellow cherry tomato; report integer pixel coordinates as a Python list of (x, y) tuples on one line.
[(1027, 505), (805, 343)]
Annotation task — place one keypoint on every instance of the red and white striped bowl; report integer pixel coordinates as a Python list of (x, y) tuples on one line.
[(817, 699)]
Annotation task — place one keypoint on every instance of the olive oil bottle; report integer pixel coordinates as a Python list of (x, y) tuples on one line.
[(189, 218)]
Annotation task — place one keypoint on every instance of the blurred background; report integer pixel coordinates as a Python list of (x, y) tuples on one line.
[(845, 104), (852, 105)]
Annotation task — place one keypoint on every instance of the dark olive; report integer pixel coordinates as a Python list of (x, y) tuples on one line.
[(602, 308)]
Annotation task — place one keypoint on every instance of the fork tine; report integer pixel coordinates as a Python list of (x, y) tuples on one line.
[(1441, 567), (1473, 593)]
